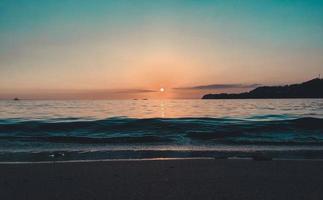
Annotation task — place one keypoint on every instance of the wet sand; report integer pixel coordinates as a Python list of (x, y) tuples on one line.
[(164, 179)]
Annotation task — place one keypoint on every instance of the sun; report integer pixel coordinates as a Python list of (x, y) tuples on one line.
[(162, 90)]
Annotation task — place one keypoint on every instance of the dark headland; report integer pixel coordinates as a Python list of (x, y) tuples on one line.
[(308, 89)]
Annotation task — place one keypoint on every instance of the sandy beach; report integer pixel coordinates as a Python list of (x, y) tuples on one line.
[(163, 179)]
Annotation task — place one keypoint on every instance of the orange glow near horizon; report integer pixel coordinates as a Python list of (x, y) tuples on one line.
[(127, 50)]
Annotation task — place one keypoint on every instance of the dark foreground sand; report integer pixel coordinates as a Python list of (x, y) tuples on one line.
[(164, 179)]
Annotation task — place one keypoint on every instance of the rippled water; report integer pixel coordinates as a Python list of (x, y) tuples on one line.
[(47, 130)]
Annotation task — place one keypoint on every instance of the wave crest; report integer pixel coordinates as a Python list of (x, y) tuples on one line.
[(165, 130)]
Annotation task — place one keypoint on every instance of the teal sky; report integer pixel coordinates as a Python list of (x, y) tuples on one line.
[(56, 45)]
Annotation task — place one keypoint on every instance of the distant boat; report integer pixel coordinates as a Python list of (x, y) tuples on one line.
[(16, 99)]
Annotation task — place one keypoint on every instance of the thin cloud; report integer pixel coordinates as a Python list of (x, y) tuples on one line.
[(219, 86), (76, 94), (133, 91)]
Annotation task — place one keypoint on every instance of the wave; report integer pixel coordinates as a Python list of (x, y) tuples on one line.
[(164, 130)]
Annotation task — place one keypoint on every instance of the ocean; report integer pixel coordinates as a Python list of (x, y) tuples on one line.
[(39, 130)]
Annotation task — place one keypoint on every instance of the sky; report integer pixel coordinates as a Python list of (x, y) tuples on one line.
[(102, 49)]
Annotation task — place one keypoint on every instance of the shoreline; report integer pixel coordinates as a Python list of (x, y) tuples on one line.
[(157, 159), (115, 155), (198, 178)]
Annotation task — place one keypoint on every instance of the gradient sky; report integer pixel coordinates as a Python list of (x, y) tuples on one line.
[(130, 49)]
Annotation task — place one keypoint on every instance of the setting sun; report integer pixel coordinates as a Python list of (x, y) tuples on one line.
[(145, 91)]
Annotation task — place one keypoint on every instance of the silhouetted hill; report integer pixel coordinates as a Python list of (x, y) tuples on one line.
[(309, 89)]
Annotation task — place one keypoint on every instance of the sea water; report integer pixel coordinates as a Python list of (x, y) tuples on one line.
[(41, 130)]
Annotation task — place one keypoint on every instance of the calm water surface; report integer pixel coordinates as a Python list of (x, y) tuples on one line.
[(68, 130), (102, 109)]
